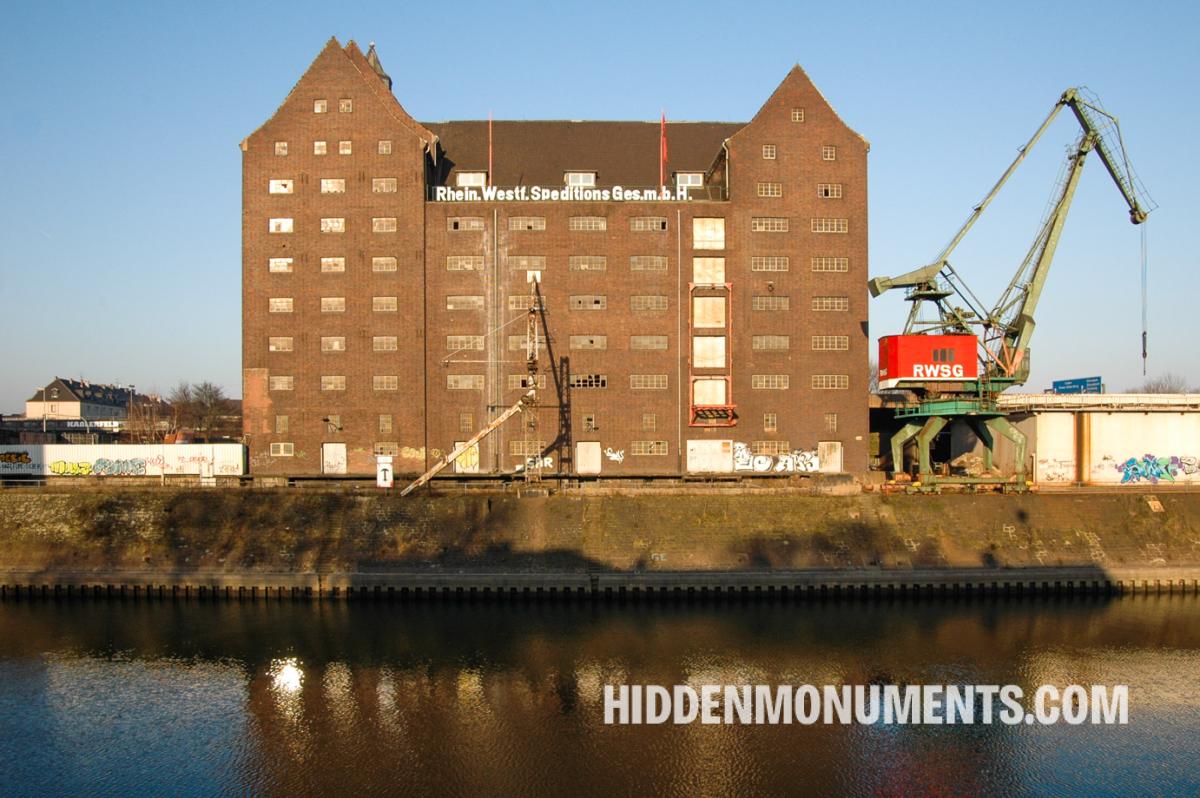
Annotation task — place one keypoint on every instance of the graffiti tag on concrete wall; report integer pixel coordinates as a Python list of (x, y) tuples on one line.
[(101, 467), (1056, 469), (797, 461), (15, 457), (1153, 469)]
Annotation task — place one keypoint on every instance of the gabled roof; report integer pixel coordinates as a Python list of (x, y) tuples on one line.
[(67, 390), (539, 153)]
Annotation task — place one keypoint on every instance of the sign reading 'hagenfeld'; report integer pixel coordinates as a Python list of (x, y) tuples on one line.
[(558, 194)]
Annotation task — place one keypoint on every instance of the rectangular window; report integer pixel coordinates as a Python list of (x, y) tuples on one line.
[(589, 302), (708, 312), (280, 225), (459, 343), (280, 383), (518, 343), (333, 304), (279, 344), (466, 422), (383, 264), (647, 263), (830, 343), (333, 265), (464, 263), (385, 147), (333, 185), (770, 447), (527, 223), (589, 381), (825, 263), (708, 271), (797, 114), (768, 152), (387, 382), (831, 382), (282, 449), (333, 343), (648, 342), (708, 233), (345, 148), (333, 382), (591, 223), (386, 449), (383, 224), (770, 302), (589, 342), (454, 223), (770, 189), (383, 304), (523, 302), (686, 181), (589, 423), (641, 224), (470, 179), (649, 422), (320, 106), (771, 343), (587, 263), (464, 382), (383, 185), (385, 423), (828, 153), (281, 148), (831, 422), (831, 303), (647, 382), (521, 382), (581, 179), (647, 448), (648, 302), (830, 226), (345, 105), (770, 422), (280, 186), (320, 148), (770, 263), (769, 382), (281, 425), (280, 264), (464, 302), (384, 343), (536, 262), (829, 190), (279, 305), (333, 225), (524, 448), (769, 224)]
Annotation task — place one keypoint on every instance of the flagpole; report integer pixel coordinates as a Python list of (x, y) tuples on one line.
[(489, 177)]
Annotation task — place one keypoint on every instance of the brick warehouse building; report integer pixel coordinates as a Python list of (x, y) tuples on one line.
[(386, 291)]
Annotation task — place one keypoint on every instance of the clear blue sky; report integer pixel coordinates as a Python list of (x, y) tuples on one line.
[(119, 123)]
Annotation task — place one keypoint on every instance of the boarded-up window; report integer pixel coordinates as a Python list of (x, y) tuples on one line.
[(333, 224), (280, 225), (648, 263), (589, 342), (385, 382), (464, 263), (769, 382), (771, 343), (708, 271), (830, 343), (280, 264), (320, 148), (639, 224), (383, 224), (279, 344), (708, 351), (826, 263), (384, 343), (383, 264), (459, 343), (464, 302), (769, 263), (830, 225), (383, 185), (345, 148), (648, 342), (320, 106), (588, 302), (708, 391), (708, 233), (708, 311), (281, 148), (329, 265), (589, 381), (769, 224), (280, 186), (281, 425), (464, 223), (648, 302), (527, 223), (279, 304), (333, 304), (831, 382), (587, 263), (587, 223), (830, 303), (333, 185), (280, 383), (648, 448), (383, 304), (333, 343), (770, 302), (464, 382), (648, 382), (333, 382)]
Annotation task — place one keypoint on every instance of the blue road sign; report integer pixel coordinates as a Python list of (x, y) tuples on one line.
[(1080, 385)]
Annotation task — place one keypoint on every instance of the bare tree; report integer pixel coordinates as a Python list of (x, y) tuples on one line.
[(873, 383), (209, 403), (182, 403), (1165, 383)]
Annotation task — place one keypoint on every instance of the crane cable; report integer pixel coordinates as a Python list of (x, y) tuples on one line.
[(1144, 300)]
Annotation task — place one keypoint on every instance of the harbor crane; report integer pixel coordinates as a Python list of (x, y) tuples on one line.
[(957, 360)]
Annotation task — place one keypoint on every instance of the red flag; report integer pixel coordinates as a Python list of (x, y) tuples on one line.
[(662, 155)]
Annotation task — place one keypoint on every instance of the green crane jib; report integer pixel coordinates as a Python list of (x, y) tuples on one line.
[(1003, 333)]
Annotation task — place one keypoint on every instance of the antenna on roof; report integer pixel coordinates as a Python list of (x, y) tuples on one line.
[(489, 174)]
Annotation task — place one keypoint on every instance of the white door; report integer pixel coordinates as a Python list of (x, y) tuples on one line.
[(333, 458), (587, 457), (829, 457)]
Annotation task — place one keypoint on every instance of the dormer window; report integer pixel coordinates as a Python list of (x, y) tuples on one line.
[(470, 179), (684, 181), (581, 179)]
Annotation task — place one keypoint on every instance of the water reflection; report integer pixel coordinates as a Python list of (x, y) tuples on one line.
[(290, 699)]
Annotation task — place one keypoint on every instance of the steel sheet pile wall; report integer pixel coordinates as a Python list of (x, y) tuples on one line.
[(123, 460)]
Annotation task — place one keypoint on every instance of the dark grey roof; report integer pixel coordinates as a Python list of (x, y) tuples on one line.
[(539, 153), (83, 391)]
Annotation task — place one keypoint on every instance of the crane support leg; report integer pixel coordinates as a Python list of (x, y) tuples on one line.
[(899, 441), (1001, 426), (979, 427), (933, 425)]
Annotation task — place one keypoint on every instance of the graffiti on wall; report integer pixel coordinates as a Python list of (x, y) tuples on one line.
[(797, 461), (536, 462), (617, 456), (100, 467), (1056, 469), (15, 457), (1153, 469)]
